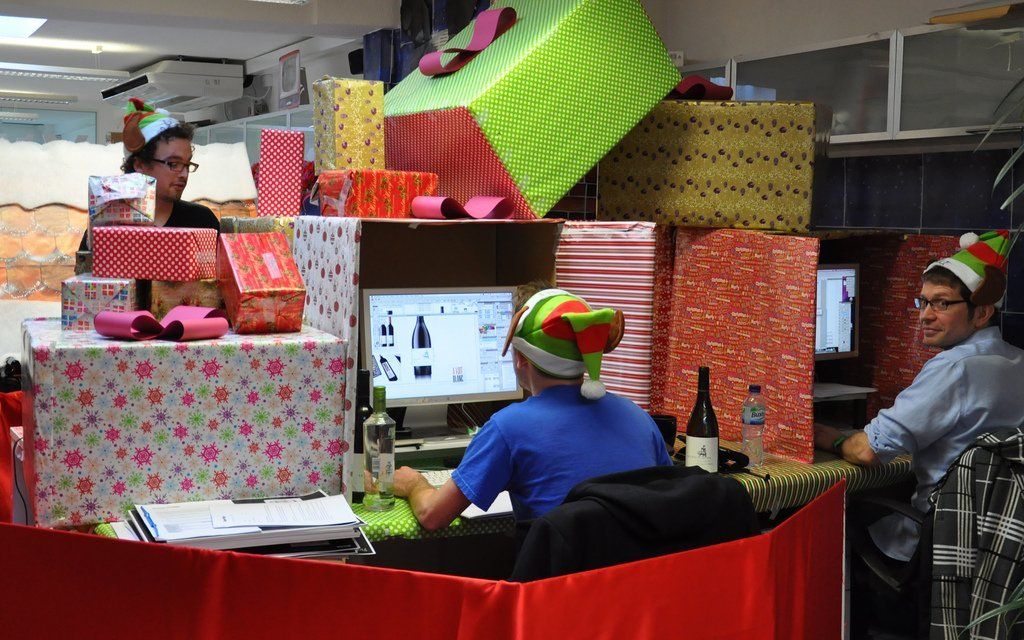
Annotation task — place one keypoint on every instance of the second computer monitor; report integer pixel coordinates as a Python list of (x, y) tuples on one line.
[(437, 346), (836, 331)]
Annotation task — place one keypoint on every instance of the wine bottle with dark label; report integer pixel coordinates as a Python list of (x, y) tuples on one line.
[(388, 371), (391, 332), (702, 429), (383, 334), (422, 354)]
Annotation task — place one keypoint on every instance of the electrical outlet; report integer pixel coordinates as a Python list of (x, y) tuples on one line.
[(677, 58)]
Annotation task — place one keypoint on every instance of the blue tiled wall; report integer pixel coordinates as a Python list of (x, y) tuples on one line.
[(939, 193)]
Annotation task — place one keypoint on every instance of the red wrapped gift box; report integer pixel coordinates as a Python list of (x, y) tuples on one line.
[(279, 186), (260, 282), (154, 253), (372, 193)]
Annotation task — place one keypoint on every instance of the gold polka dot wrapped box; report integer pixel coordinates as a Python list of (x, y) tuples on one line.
[(537, 109), (745, 165)]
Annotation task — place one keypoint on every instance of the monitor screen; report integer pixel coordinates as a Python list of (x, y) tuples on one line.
[(836, 331), (435, 346)]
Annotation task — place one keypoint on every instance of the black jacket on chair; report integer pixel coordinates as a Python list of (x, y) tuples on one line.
[(632, 515)]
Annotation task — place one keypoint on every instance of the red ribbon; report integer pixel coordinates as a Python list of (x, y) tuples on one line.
[(477, 208), (181, 323), (488, 27), (697, 87)]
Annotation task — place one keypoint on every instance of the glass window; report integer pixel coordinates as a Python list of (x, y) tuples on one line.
[(714, 74), (852, 79), (44, 125)]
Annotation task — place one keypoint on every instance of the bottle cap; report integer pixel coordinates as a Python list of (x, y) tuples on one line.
[(755, 388)]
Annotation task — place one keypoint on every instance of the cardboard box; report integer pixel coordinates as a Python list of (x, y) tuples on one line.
[(747, 165), (148, 421), (154, 253), (83, 296), (260, 282), (164, 296), (365, 193), (536, 110), (348, 124)]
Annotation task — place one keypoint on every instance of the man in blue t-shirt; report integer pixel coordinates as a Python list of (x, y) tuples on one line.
[(567, 431)]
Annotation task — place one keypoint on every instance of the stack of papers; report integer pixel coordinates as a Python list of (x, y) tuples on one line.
[(306, 526)]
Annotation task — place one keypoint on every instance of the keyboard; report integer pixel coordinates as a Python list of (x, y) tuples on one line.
[(437, 477)]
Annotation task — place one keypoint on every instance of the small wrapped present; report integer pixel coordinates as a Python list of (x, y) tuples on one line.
[(164, 295), (285, 225), (260, 282), (279, 185), (371, 193), (122, 200), (348, 124), (155, 253), (83, 296)]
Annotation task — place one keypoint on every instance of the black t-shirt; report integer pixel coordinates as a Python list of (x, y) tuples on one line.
[(186, 215)]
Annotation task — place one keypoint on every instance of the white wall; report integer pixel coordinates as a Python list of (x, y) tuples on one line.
[(712, 30)]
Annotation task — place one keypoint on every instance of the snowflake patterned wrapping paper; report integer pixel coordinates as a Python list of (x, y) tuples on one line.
[(154, 253), (260, 282), (536, 110), (164, 296), (111, 424), (327, 252), (363, 193), (747, 165), (82, 297), (611, 264), (348, 124), (284, 224), (279, 186)]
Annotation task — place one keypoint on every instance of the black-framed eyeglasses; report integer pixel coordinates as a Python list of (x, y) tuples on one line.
[(937, 304), (177, 166)]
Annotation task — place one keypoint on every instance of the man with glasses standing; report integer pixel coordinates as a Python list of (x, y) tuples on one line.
[(973, 385), (160, 146)]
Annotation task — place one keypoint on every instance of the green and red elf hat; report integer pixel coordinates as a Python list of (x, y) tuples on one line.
[(563, 337), (981, 265), (142, 123)]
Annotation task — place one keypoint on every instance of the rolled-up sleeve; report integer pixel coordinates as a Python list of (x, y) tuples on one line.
[(923, 412)]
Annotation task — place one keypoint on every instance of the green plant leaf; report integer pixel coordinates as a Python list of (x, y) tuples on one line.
[(994, 613), (992, 129), (1006, 167), (1009, 93), (1013, 196)]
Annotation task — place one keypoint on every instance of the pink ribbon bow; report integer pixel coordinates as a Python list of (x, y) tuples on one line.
[(697, 87), (489, 26), (478, 208), (181, 323)]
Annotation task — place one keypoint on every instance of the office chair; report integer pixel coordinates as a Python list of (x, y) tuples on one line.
[(632, 515)]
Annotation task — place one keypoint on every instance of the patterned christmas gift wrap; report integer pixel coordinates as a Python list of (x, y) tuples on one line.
[(536, 110), (112, 424), (260, 282), (154, 253), (348, 124), (611, 264), (128, 199), (83, 296), (749, 165), (365, 193), (327, 252), (279, 186), (164, 296), (285, 225)]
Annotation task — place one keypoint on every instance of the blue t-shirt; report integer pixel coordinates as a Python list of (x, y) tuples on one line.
[(540, 448)]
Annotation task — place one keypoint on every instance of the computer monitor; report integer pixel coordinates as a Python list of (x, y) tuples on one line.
[(836, 331), (439, 346)]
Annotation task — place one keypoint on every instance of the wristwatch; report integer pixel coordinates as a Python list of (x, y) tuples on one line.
[(837, 445)]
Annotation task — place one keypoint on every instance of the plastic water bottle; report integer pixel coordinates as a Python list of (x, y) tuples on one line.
[(753, 426)]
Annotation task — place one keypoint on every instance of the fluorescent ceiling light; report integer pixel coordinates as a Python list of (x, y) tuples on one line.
[(19, 70), (283, 1), (12, 27), (69, 45), (34, 96), (18, 115)]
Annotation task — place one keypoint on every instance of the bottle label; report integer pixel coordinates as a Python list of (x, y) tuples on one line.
[(702, 452), (753, 415), (421, 357)]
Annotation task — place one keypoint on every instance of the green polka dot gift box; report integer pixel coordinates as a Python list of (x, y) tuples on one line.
[(535, 110)]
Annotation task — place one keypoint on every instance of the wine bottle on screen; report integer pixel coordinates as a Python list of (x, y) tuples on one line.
[(388, 371), (383, 335), (422, 354), (391, 332), (702, 429)]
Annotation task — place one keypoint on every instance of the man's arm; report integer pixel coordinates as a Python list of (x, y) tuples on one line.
[(434, 508), (855, 449)]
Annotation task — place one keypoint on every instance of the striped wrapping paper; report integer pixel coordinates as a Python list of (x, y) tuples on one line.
[(611, 264)]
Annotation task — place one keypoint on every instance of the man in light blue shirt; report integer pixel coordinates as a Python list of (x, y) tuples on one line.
[(974, 385)]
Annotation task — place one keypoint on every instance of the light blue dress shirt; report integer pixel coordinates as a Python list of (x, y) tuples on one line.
[(960, 394)]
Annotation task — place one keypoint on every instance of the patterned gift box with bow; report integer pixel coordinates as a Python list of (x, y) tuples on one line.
[(113, 424), (82, 297), (537, 108), (348, 124), (154, 253), (364, 193), (260, 282)]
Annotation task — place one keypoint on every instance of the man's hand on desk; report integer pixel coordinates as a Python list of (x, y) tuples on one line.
[(433, 508), (406, 480), (854, 449)]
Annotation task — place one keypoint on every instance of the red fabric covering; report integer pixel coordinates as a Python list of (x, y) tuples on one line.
[(784, 584), (10, 416)]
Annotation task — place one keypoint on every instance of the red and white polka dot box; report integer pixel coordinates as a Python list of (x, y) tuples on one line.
[(154, 253)]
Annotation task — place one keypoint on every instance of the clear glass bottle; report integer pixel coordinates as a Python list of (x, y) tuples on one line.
[(753, 426), (379, 456)]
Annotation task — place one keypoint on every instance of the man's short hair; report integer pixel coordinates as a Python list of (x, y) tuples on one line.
[(183, 131), (943, 276), (526, 291)]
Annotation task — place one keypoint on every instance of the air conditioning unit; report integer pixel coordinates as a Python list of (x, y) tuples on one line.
[(180, 86)]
